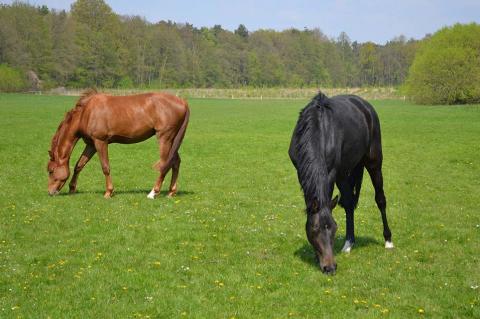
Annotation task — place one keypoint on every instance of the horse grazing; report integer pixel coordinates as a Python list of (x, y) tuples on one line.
[(100, 119), (334, 139)]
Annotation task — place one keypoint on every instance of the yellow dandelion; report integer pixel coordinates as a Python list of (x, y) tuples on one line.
[(377, 305), (384, 311), (421, 311)]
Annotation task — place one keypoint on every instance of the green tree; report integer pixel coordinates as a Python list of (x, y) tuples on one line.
[(242, 31), (11, 80), (446, 70), (64, 50), (369, 63), (25, 38), (97, 36)]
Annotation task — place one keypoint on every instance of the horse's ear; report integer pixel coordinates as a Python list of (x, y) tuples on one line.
[(334, 202)]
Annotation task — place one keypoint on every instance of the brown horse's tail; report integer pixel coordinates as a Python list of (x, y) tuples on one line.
[(176, 141)]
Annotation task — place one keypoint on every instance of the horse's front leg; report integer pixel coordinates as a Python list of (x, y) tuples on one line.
[(102, 149), (87, 154), (347, 201)]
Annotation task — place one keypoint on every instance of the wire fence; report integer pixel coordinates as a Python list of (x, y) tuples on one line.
[(247, 93)]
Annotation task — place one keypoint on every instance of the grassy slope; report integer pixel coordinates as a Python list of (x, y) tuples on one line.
[(232, 244)]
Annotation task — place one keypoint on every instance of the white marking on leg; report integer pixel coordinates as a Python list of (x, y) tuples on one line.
[(389, 245), (152, 194), (347, 247)]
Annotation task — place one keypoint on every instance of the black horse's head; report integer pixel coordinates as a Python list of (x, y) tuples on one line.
[(321, 229)]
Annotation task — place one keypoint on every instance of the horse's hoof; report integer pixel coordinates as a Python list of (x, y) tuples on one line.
[(171, 194), (72, 190), (108, 195), (347, 247), (389, 245), (152, 194)]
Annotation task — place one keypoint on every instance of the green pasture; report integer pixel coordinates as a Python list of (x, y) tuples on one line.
[(232, 243)]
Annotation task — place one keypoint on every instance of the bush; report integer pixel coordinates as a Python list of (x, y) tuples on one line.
[(125, 83), (11, 80), (446, 69)]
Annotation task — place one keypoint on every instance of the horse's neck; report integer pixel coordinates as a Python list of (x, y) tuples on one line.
[(66, 141)]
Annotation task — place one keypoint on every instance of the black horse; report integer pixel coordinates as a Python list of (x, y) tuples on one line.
[(334, 139)]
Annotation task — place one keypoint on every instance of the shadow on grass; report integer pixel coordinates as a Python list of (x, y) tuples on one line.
[(307, 255), (131, 191)]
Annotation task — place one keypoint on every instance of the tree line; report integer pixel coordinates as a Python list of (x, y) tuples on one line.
[(92, 46)]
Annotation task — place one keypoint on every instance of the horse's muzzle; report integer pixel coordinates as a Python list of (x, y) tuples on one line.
[(52, 193), (329, 270)]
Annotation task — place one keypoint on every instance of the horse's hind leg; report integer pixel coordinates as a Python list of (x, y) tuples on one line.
[(87, 154), (175, 169), (165, 143), (374, 168)]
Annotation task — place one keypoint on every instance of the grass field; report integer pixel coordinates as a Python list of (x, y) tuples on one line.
[(232, 243)]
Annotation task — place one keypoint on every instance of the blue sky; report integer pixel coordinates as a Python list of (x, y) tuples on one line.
[(362, 20)]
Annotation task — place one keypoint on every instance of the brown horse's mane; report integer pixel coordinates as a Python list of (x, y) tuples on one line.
[(82, 101)]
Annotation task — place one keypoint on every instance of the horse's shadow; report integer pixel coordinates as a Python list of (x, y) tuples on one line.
[(307, 255), (129, 191)]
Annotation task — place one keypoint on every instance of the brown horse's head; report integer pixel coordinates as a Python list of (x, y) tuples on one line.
[(321, 229), (57, 175)]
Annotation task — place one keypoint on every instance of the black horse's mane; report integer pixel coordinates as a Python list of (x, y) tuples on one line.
[(310, 160)]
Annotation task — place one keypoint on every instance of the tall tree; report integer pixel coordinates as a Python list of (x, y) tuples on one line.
[(97, 37)]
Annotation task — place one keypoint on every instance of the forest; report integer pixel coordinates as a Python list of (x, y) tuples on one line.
[(91, 45)]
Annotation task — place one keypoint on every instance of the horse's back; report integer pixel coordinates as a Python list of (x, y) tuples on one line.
[(132, 118)]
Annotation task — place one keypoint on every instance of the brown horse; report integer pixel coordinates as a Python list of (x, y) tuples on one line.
[(100, 119)]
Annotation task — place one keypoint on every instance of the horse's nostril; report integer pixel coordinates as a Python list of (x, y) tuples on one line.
[(329, 270)]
